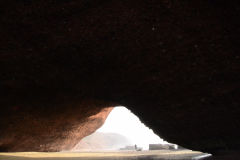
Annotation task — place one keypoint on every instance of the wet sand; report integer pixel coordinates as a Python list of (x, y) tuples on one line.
[(120, 155)]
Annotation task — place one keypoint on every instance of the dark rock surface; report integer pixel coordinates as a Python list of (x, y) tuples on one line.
[(50, 130), (174, 63)]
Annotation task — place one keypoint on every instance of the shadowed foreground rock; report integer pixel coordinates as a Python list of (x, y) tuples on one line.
[(50, 130), (174, 63)]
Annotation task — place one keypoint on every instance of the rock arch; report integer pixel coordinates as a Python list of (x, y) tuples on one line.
[(175, 64)]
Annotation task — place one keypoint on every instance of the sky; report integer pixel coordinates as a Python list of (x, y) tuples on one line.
[(124, 122)]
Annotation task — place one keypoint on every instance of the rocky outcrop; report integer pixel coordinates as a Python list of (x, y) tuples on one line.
[(174, 63), (54, 130)]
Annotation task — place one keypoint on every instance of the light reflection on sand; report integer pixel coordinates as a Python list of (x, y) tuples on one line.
[(157, 154)]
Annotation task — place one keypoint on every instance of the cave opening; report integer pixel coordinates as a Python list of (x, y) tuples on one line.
[(124, 133), (121, 136), (123, 130)]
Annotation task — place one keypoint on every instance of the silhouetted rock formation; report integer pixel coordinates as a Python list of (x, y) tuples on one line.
[(102, 141), (162, 146), (174, 63)]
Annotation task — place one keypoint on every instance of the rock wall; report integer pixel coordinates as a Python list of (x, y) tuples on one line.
[(50, 130), (174, 63)]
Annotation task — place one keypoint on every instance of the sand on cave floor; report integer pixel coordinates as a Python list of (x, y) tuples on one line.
[(116, 155)]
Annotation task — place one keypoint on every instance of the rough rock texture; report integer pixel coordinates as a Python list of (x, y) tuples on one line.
[(50, 130), (174, 63)]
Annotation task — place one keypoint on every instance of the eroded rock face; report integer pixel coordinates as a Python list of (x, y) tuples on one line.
[(174, 63), (52, 130)]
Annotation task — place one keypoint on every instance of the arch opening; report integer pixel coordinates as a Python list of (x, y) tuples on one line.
[(122, 136), (123, 130)]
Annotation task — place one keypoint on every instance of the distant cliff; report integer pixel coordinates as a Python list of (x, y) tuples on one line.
[(102, 141)]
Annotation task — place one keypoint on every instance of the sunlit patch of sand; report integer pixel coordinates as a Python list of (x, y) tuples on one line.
[(157, 154)]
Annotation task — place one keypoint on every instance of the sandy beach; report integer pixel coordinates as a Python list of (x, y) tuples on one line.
[(119, 155)]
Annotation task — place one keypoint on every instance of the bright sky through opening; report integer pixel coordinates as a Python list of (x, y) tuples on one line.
[(124, 122)]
